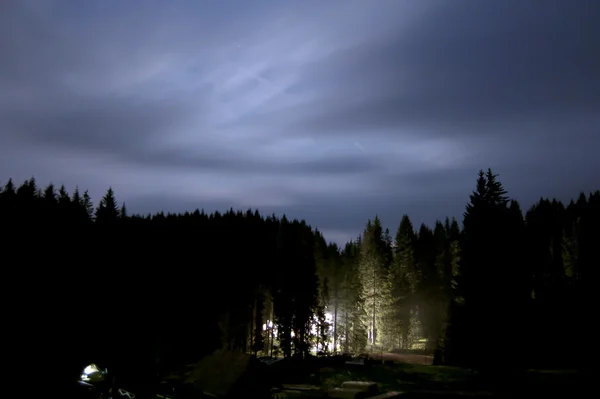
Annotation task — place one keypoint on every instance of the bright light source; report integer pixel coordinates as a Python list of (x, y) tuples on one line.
[(88, 372), (270, 323), (92, 368), (328, 317), (293, 335), (264, 327)]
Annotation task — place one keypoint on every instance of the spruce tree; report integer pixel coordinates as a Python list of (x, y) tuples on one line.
[(373, 273), (404, 281), (88, 205), (108, 210)]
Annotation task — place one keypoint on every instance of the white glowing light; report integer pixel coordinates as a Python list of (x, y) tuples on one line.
[(264, 327), (92, 368), (328, 317)]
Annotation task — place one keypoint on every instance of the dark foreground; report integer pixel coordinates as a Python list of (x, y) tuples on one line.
[(421, 381), (316, 377)]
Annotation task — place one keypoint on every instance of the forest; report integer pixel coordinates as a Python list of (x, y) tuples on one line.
[(150, 292)]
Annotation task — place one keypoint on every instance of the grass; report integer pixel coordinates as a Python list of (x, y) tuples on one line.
[(403, 377), (427, 381)]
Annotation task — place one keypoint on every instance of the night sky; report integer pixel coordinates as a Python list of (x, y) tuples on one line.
[(331, 111)]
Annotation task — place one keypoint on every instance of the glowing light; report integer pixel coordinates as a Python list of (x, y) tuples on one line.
[(264, 327), (328, 317), (88, 370), (92, 368)]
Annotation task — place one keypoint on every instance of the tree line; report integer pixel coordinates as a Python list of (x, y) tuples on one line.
[(151, 292)]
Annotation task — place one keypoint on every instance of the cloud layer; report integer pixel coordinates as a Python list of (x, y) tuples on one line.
[(331, 111)]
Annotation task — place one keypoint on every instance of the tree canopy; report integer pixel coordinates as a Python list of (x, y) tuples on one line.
[(186, 284)]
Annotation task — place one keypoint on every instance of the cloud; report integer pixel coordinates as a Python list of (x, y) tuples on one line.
[(468, 70), (334, 111)]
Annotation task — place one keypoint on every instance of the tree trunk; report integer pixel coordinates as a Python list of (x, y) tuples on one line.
[(335, 310), (373, 322)]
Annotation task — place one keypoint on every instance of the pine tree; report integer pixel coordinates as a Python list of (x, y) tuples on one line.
[(76, 198), (455, 259), (50, 196), (88, 205), (351, 327), (495, 194), (373, 274), (9, 189), (322, 333), (10, 219), (27, 191), (49, 206), (491, 291), (404, 280), (570, 252), (64, 203), (438, 298), (108, 210), (27, 203)]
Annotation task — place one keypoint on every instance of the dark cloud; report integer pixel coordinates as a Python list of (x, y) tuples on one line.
[(115, 125), (207, 160), (467, 70), (329, 111)]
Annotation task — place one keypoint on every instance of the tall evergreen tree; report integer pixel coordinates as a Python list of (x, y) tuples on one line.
[(88, 205), (373, 274), (484, 280), (404, 282), (108, 210), (503, 285)]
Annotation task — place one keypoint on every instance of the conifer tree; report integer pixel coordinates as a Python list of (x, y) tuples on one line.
[(404, 281), (108, 210), (373, 274)]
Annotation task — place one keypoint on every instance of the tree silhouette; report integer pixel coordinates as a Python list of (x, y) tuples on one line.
[(186, 284), (108, 210)]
